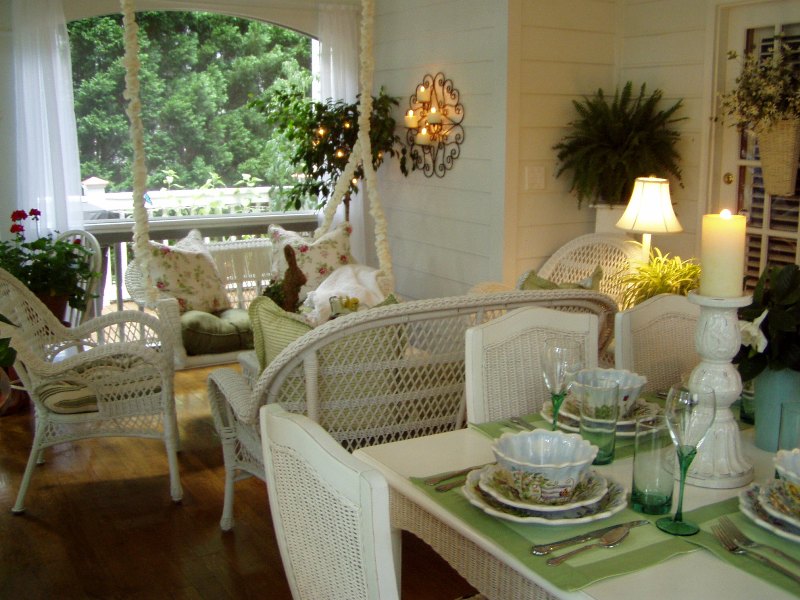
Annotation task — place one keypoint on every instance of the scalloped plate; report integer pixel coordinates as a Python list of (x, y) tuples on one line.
[(776, 498), (611, 503), (751, 507), (569, 419), (587, 492)]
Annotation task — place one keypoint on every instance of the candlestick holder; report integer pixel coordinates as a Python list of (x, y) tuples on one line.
[(719, 462)]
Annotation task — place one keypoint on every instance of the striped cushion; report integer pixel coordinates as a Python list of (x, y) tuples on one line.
[(273, 329), (67, 397)]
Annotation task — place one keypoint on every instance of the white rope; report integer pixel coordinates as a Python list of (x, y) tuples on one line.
[(141, 227)]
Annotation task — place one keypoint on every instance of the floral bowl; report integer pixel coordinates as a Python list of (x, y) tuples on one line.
[(630, 385), (556, 461), (787, 464)]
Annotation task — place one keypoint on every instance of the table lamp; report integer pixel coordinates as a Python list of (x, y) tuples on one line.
[(649, 211)]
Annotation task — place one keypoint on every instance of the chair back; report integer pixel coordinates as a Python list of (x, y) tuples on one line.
[(330, 512), (503, 359), (94, 304), (656, 339), (579, 258)]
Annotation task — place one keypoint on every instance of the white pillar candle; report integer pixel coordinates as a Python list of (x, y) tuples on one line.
[(411, 120), (434, 117), (423, 94), (722, 247), (422, 138)]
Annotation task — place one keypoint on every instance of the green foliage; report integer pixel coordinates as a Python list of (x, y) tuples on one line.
[(611, 144), (198, 71), (777, 292), (47, 266), (322, 135), (661, 275), (7, 354)]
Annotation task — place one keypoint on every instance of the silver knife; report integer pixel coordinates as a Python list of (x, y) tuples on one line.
[(542, 549)]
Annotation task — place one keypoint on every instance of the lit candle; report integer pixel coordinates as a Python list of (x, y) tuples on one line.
[(423, 94), (411, 119), (434, 117), (422, 138), (722, 247)]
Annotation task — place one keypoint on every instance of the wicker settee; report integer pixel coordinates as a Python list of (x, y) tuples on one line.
[(375, 376)]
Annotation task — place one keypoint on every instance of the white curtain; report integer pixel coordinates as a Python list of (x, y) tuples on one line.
[(48, 164), (338, 79)]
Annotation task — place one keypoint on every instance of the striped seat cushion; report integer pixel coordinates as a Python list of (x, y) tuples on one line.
[(67, 397)]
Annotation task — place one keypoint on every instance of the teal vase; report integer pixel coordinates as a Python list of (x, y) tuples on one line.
[(773, 388)]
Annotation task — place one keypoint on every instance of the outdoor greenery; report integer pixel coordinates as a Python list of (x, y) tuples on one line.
[(322, 135), (660, 275), (612, 143), (198, 72)]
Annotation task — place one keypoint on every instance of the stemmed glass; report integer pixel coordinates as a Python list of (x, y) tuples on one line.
[(561, 360), (689, 414)]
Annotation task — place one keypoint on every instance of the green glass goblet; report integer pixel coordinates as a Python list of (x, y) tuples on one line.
[(561, 360)]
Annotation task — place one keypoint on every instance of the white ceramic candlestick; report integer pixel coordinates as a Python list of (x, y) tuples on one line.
[(719, 462)]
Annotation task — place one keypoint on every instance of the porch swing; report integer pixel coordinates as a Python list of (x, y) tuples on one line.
[(241, 268)]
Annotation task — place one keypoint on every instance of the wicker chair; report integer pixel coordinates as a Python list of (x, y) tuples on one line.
[(503, 357), (374, 376), (656, 339), (75, 316), (577, 260), (330, 512), (110, 376)]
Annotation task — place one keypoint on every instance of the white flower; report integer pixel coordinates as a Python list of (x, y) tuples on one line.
[(751, 333)]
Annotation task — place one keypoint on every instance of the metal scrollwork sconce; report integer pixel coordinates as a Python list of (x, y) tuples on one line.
[(434, 126)]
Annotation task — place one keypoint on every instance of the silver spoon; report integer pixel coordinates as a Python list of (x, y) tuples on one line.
[(608, 540)]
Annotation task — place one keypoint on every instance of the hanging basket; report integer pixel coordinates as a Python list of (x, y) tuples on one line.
[(779, 146)]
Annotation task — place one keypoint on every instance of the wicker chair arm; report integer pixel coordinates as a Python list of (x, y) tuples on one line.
[(228, 386)]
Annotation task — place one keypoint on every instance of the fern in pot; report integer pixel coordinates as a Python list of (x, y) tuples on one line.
[(615, 140)]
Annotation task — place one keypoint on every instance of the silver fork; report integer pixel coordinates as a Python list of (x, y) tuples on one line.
[(731, 546), (742, 540)]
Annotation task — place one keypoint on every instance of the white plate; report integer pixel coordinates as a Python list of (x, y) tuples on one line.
[(777, 500), (614, 501), (588, 492), (570, 421), (751, 507)]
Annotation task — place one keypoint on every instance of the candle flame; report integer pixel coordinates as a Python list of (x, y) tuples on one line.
[(411, 113), (433, 109), (725, 214)]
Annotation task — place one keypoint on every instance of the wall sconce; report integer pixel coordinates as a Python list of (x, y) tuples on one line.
[(434, 126)]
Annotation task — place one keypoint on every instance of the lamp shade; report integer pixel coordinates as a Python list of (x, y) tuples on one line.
[(650, 208)]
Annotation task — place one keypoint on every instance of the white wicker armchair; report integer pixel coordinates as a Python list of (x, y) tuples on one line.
[(110, 376), (375, 376)]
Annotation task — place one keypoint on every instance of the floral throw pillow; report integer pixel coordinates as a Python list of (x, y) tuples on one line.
[(186, 271), (317, 259)]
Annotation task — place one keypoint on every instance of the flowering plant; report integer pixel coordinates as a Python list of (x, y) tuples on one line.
[(48, 266), (770, 326), (767, 90)]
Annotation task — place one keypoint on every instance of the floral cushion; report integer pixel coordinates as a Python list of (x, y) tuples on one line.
[(186, 271), (317, 259)]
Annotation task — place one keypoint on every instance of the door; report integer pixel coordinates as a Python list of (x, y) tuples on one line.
[(772, 230)]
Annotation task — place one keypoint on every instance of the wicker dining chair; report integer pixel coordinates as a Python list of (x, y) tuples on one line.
[(503, 357), (75, 316), (656, 339), (330, 512), (110, 376)]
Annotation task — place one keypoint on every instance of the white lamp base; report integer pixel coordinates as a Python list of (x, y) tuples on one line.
[(719, 462)]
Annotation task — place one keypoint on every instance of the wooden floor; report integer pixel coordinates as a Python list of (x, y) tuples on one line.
[(99, 522)]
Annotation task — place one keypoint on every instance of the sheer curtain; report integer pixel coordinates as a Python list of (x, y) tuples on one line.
[(48, 164), (338, 79)]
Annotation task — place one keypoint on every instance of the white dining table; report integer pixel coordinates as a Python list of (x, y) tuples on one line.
[(501, 576)]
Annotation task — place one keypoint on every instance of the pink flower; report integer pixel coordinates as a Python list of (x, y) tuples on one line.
[(161, 285), (323, 270), (303, 248), (343, 259)]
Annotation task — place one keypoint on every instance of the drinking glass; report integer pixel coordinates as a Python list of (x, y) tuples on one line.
[(599, 409), (561, 360), (653, 466), (789, 429), (689, 413)]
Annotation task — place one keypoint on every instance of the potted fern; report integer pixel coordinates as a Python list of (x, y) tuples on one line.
[(615, 140)]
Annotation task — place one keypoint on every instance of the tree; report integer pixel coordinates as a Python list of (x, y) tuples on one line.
[(198, 71)]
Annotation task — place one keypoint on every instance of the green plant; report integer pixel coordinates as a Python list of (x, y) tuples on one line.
[(660, 275), (767, 89), (771, 324), (611, 144), (48, 266), (323, 135)]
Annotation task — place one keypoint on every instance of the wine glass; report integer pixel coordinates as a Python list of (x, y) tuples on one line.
[(689, 413), (562, 359)]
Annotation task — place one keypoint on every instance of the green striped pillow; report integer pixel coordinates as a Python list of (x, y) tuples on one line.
[(67, 397), (273, 329)]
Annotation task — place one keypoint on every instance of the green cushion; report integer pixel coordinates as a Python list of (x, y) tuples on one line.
[(273, 329), (531, 281), (67, 397), (206, 333)]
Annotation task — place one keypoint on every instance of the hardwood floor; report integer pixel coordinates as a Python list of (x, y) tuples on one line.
[(99, 522)]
